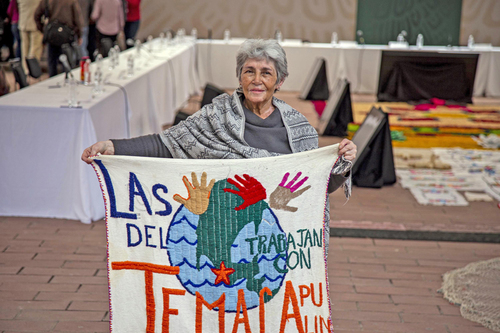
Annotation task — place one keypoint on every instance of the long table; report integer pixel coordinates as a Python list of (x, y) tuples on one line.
[(41, 139), (360, 64)]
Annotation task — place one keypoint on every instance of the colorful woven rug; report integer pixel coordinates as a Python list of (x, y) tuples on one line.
[(217, 245), (426, 126)]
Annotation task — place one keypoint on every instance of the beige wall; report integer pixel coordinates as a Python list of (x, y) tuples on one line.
[(302, 19), (480, 18)]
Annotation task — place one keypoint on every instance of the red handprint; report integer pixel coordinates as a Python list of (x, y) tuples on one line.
[(250, 190)]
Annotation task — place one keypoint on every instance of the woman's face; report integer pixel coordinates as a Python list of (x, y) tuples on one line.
[(259, 81)]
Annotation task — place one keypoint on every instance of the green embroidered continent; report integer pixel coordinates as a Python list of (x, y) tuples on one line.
[(218, 228)]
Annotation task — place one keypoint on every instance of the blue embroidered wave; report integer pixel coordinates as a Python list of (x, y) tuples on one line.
[(181, 239), (185, 261), (273, 280), (234, 245), (266, 259), (189, 282), (181, 220), (244, 261)]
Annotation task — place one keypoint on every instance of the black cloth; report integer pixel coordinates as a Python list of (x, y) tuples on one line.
[(413, 82)]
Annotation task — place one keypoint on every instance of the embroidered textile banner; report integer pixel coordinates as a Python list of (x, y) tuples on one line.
[(217, 245)]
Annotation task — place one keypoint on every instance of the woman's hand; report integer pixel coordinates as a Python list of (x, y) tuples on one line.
[(348, 149), (103, 147)]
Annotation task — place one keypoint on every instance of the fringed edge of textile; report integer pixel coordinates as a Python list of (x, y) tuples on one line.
[(103, 187), (341, 167)]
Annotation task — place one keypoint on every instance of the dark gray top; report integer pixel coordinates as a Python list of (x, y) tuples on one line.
[(269, 134)]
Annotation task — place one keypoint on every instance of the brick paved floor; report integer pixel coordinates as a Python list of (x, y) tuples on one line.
[(53, 279)]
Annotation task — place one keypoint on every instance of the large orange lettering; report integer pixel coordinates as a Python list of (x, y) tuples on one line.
[(148, 269), (320, 295), (328, 325), (305, 291), (262, 317), (167, 311), (304, 294), (243, 305), (291, 296), (220, 303)]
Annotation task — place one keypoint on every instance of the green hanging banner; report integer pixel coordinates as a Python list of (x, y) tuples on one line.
[(380, 21)]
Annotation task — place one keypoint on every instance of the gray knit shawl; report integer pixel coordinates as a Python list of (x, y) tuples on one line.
[(217, 132)]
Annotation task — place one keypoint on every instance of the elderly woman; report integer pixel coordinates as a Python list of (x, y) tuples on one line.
[(250, 123)]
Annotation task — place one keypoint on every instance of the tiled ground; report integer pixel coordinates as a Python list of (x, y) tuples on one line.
[(53, 279), (395, 208)]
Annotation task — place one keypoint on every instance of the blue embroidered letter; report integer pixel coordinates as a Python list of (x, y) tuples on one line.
[(129, 240), (133, 183), (112, 198), (168, 206)]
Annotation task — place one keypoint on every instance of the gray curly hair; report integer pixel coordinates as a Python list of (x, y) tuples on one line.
[(268, 49)]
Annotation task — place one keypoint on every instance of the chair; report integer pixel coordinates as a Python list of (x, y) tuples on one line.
[(34, 69), (19, 74)]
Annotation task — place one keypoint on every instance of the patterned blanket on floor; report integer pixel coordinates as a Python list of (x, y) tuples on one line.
[(217, 245)]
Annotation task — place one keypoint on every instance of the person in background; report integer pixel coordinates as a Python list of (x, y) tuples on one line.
[(133, 19), (86, 8), (109, 19), (13, 14), (67, 12), (32, 45), (91, 46), (6, 39)]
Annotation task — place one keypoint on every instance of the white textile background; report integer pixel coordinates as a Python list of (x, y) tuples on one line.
[(127, 286)]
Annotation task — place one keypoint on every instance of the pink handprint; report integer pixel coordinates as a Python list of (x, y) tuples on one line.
[(250, 190)]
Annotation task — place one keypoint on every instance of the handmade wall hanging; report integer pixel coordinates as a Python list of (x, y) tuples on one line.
[(217, 245)]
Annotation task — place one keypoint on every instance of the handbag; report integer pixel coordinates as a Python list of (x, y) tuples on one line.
[(56, 33)]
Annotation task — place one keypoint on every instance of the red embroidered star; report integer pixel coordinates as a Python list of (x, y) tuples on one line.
[(222, 273)]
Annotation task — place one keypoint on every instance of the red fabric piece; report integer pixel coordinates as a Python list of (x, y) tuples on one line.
[(424, 107), (319, 106), (437, 101)]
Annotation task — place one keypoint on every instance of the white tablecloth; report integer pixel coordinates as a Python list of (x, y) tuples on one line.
[(41, 142), (359, 64)]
